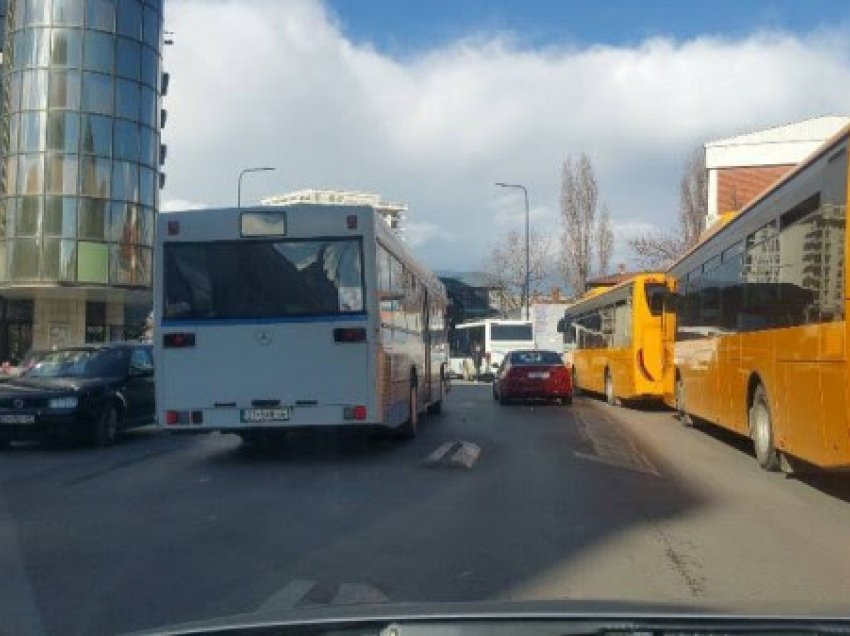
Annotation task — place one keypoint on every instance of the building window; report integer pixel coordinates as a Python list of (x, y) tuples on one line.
[(62, 174), (97, 93), (99, 52), (64, 90), (92, 262), (67, 47), (127, 99), (93, 219), (129, 58), (130, 19), (58, 260), (60, 217), (67, 12), (63, 131), (126, 141), (101, 15), (97, 135), (94, 180), (23, 259), (34, 90)]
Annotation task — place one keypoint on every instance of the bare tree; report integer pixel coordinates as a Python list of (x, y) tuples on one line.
[(659, 249), (585, 235), (506, 265), (604, 241)]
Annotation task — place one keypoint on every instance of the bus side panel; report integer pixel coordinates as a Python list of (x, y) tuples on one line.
[(584, 360), (798, 422), (834, 378), (732, 391), (621, 365), (757, 359), (699, 373)]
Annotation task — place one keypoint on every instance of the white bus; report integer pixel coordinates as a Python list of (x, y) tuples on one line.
[(495, 337), (307, 315)]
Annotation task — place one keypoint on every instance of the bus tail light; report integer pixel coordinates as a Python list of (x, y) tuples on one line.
[(349, 334), (179, 418), (642, 366), (178, 340), (354, 413)]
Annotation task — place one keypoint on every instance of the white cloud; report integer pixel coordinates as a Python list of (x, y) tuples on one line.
[(272, 83), (169, 205), (418, 233)]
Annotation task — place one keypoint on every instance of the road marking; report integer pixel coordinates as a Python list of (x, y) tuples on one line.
[(19, 613), (437, 456), (466, 455), (354, 594), (612, 447), (454, 454), (287, 597)]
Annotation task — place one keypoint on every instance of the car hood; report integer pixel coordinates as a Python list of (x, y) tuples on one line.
[(515, 617), (28, 386)]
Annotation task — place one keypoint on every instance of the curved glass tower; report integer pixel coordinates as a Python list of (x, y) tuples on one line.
[(80, 151)]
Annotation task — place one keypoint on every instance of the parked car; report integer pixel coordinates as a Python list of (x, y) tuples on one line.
[(88, 392), (533, 374), (29, 360)]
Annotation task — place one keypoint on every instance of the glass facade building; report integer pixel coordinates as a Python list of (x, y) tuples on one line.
[(79, 177)]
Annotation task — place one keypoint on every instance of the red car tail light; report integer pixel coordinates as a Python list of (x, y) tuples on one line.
[(172, 417), (349, 334), (354, 413), (178, 340)]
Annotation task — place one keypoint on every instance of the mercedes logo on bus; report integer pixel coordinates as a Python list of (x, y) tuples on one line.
[(263, 338)]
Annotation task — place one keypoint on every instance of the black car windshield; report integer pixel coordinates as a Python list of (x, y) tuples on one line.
[(536, 357), (81, 363)]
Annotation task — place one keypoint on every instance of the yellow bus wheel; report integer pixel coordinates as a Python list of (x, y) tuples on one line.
[(761, 430)]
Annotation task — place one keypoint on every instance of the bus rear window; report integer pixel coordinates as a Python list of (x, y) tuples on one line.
[(262, 279), (655, 297), (510, 332)]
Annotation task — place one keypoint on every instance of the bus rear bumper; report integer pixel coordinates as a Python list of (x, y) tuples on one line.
[(234, 420)]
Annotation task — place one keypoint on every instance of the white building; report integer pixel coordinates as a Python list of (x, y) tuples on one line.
[(394, 213), (742, 167)]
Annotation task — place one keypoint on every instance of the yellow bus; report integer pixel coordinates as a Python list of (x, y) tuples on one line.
[(617, 337), (761, 330)]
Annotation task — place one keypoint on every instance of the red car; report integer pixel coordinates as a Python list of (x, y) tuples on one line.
[(533, 375)]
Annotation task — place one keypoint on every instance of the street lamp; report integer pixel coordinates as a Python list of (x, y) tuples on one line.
[(239, 186), (518, 186)]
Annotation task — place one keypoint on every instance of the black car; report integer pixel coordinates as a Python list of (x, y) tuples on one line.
[(88, 392)]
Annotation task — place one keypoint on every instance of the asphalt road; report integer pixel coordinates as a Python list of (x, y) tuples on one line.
[(582, 502)]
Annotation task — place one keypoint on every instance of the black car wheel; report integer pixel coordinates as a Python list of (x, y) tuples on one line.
[(105, 429)]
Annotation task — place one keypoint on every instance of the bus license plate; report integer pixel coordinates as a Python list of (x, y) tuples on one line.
[(17, 419), (542, 375), (265, 415)]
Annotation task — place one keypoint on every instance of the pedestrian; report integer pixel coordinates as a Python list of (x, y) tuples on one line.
[(477, 358)]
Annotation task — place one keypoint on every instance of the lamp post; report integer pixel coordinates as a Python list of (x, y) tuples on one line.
[(518, 186), (239, 186)]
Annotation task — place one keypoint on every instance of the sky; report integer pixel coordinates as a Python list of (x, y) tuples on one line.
[(431, 102)]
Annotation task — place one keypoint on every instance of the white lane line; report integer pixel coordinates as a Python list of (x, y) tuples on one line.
[(354, 594), (287, 597), (19, 613)]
